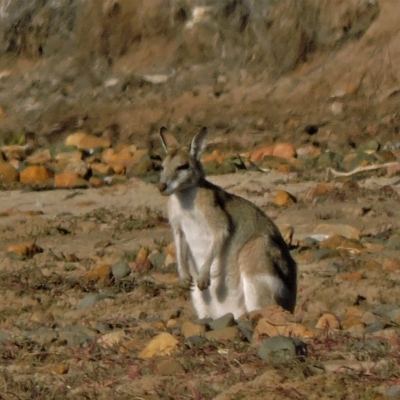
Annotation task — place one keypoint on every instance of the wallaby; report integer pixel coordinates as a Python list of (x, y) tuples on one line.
[(227, 249)]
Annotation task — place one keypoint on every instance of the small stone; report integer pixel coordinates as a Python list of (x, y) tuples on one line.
[(69, 180), (24, 249), (67, 157), (163, 344), (101, 169), (40, 157), (157, 259), (169, 368), (112, 339), (338, 229), (393, 392), (42, 336), (284, 150), (259, 154), (142, 262), (216, 156), (8, 173), (78, 167), (323, 254), (83, 140), (222, 322), (336, 107), (90, 300), (77, 335), (35, 174), (284, 199), (96, 182), (230, 333), (328, 159), (246, 328), (328, 321), (370, 146), (102, 274), (59, 369), (121, 269), (279, 349)]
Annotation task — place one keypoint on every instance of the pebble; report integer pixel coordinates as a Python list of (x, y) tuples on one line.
[(284, 150), (121, 269), (90, 300), (8, 173), (230, 333), (222, 322), (347, 231), (259, 154), (169, 367), (157, 259), (369, 146), (69, 180), (42, 156), (42, 336), (190, 329), (35, 174), (77, 335), (85, 141), (102, 274), (24, 249), (328, 321), (111, 339), (59, 369), (163, 344), (284, 199), (279, 349)]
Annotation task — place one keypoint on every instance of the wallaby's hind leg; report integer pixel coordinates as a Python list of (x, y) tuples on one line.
[(262, 283)]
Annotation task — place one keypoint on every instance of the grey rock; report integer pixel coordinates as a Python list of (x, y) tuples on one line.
[(42, 336), (394, 243), (157, 260), (4, 336), (370, 145), (323, 254), (246, 329), (375, 327), (195, 341), (121, 269), (77, 335), (328, 159), (222, 322), (90, 300), (279, 349), (393, 392)]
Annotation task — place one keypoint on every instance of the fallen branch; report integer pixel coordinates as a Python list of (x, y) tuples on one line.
[(360, 169)]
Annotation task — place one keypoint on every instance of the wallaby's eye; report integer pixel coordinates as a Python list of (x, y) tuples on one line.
[(183, 167)]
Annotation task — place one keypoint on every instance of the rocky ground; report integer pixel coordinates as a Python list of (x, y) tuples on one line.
[(301, 101), (91, 305)]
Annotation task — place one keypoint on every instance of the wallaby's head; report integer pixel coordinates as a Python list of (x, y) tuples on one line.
[(181, 168)]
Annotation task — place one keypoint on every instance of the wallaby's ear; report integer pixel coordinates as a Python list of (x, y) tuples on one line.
[(168, 141), (163, 129), (198, 143)]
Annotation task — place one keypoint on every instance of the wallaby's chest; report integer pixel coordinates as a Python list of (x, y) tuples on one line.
[(195, 227)]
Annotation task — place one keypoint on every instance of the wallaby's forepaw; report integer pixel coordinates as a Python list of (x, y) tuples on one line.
[(187, 282), (203, 282)]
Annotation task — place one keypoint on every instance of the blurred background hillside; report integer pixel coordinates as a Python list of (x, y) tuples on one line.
[(320, 71)]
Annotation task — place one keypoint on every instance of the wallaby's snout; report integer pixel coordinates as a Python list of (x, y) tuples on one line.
[(162, 187)]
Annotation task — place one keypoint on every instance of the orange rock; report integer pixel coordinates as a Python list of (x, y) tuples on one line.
[(353, 317), (283, 198), (83, 140), (119, 169), (163, 344), (69, 180), (138, 155), (332, 242), (328, 321), (142, 262), (216, 155), (39, 157), (102, 274), (94, 181), (24, 249), (59, 369), (121, 158), (35, 174), (170, 249), (125, 148), (106, 154), (258, 154), (284, 150), (101, 169), (350, 276), (8, 173), (391, 264), (284, 168), (371, 265), (309, 151)]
